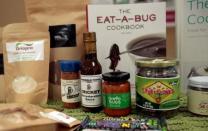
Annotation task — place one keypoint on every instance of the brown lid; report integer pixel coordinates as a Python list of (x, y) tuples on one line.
[(89, 36)]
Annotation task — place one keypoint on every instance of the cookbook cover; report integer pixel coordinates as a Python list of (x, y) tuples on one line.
[(131, 26), (192, 37)]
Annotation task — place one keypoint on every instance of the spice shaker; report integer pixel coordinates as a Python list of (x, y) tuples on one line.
[(70, 83)]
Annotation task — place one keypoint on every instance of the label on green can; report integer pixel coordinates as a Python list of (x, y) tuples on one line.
[(158, 93), (117, 101)]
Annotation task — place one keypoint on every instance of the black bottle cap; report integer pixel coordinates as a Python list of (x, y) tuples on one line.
[(116, 76)]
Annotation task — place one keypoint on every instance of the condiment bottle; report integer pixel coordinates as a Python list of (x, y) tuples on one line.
[(116, 94), (70, 83), (91, 79)]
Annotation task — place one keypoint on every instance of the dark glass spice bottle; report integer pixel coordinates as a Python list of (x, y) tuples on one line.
[(91, 79)]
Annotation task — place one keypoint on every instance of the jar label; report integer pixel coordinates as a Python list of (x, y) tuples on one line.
[(70, 90), (198, 102), (157, 93), (91, 90), (117, 101)]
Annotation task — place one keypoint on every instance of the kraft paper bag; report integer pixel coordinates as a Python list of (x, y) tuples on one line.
[(24, 117), (26, 48), (56, 13), (2, 89)]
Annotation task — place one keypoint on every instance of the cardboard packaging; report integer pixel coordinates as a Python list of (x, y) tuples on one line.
[(129, 26), (60, 12), (28, 117), (2, 88), (192, 37), (21, 117), (26, 59)]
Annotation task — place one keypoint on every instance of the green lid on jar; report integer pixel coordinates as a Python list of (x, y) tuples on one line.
[(116, 76), (156, 63)]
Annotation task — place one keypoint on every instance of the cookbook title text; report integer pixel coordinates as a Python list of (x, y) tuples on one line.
[(197, 6), (126, 20)]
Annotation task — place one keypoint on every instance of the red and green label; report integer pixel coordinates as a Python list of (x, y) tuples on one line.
[(157, 93), (117, 101)]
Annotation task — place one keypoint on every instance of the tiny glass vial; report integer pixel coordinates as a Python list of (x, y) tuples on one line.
[(70, 83), (116, 94)]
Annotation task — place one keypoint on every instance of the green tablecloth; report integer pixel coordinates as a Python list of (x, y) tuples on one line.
[(181, 120)]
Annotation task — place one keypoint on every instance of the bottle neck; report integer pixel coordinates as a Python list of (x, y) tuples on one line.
[(91, 56), (90, 50)]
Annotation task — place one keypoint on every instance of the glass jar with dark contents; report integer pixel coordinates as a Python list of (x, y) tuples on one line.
[(157, 68), (157, 85), (116, 94)]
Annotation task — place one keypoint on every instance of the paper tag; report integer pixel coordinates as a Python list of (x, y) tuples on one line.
[(58, 116)]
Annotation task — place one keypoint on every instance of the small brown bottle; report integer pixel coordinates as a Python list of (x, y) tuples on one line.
[(91, 79)]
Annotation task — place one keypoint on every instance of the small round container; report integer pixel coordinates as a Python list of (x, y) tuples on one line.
[(157, 84), (198, 95), (70, 83), (116, 94)]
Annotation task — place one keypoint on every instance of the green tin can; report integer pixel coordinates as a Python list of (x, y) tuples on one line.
[(157, 84)]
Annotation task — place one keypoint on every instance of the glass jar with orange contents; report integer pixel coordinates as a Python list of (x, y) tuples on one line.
[(70, 83), (116, 94)]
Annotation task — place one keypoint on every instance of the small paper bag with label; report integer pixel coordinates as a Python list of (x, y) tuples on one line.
[(26, 61), (66, 39)]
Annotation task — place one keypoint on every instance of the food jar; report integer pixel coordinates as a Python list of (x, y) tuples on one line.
[(70, 83), (116, 94), (157, 84), (198, 95)]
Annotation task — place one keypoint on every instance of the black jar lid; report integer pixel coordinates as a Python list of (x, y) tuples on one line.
[(116, 76)]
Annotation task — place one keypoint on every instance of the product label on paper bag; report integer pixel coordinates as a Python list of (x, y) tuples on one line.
[(140, 25), (25, 51)]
